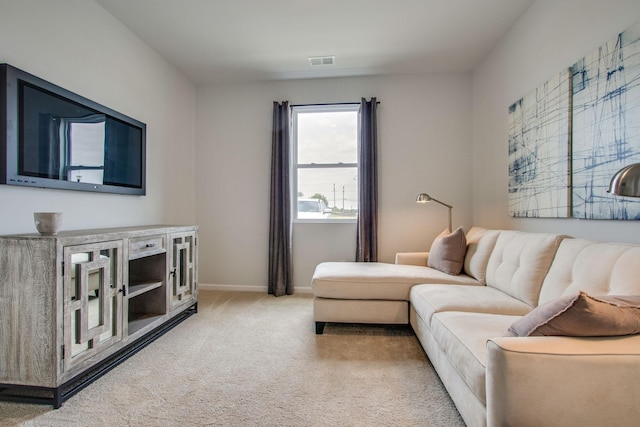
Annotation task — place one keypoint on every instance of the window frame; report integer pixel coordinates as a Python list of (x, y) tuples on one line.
[(295, 166)]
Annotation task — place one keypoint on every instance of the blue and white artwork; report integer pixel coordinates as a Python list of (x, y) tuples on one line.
[(539, 147), (606, 126)]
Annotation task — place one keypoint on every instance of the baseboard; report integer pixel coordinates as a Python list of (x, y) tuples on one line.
[(239, 288), (247, 288)]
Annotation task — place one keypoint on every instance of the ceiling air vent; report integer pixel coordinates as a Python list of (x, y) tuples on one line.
[(322, 60)]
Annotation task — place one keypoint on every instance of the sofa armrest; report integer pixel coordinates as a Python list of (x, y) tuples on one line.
[(560, 381), (412, 258)]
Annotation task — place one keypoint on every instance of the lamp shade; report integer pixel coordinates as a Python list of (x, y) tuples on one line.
[(423, 198), (626, 182)]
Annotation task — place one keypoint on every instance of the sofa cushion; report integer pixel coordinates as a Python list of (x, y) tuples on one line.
[(430, 299), (594, 267), (463, 337), (480, 244), (581, 315), (519, 263), (371, 280), (447, 252)]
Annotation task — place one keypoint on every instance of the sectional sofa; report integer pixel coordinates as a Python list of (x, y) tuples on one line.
[(512, 337)]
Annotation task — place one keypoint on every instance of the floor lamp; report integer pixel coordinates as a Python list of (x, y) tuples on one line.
[(626, 182), (425, 198)]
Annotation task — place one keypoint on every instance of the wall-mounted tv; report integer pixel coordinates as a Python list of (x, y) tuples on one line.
[(53, 138)]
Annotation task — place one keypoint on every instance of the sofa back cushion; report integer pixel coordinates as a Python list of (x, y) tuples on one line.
[(519, 263), (480, 244), (594, 267)]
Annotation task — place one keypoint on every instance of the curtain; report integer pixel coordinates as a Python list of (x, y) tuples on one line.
[(280, 261), (367, 226)]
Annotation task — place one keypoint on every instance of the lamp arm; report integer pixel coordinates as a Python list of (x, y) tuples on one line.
[(424, 197), (447, 206), (442, 203)]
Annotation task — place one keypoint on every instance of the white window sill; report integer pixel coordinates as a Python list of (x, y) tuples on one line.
[(325, 221)]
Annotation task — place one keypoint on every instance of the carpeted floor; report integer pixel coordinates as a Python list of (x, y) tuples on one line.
[(249, 359)]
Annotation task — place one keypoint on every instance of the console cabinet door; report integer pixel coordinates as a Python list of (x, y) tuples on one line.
[(182, 271), (93, 297)]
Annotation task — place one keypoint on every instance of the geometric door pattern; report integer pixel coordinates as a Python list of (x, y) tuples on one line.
[(93, 297), (182, 274)]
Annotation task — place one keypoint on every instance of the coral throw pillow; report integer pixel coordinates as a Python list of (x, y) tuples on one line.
[(447, 252)]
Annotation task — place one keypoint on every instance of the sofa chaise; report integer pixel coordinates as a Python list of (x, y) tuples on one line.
[(528, 334)]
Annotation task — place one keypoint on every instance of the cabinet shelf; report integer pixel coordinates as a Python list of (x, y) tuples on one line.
[(140, 288), (142, 320)]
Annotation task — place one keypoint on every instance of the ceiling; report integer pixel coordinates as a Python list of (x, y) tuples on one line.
[(218, 41)]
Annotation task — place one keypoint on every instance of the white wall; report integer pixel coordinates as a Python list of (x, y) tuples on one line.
[(76, 44), (427, 124), (550, 36), (424, 125)]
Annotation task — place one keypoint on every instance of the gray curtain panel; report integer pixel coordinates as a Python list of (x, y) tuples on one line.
[(280, 261), (367, 232)]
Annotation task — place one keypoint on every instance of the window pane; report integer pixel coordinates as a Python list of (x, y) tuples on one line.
[(339, 186), (327, 137)]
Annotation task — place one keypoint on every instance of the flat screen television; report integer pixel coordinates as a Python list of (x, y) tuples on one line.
[(53, 138)]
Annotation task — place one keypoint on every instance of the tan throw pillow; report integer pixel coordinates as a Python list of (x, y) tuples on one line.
[(447, 252), (582, 315)]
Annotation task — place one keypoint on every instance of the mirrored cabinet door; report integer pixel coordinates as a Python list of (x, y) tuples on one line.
[(182, 273), (93, 297)]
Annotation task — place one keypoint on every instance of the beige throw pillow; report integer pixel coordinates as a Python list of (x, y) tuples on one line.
[(582, 315), (447, 252)]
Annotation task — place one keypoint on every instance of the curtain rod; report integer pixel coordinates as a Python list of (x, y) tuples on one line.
[(330, 103)]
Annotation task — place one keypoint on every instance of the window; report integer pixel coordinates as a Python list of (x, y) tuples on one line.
[(325, 162)]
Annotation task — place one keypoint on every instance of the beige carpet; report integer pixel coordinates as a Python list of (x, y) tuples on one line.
[(249, 359)]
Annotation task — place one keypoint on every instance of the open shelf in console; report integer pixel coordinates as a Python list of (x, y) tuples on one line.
[(140, 320), (147, 291), (140, 288)]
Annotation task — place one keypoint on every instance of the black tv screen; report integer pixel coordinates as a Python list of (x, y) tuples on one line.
[(54, 138)]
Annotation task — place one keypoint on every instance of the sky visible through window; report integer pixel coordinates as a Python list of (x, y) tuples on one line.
[(328, 138)]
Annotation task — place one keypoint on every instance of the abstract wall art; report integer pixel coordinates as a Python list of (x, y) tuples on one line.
[(539, 151), (569, 137), (606, 126)]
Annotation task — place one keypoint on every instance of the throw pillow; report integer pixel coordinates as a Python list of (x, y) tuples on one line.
[(582, 315), (447, 252)]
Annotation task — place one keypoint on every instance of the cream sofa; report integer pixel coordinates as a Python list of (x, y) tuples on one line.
[(462, 322)]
